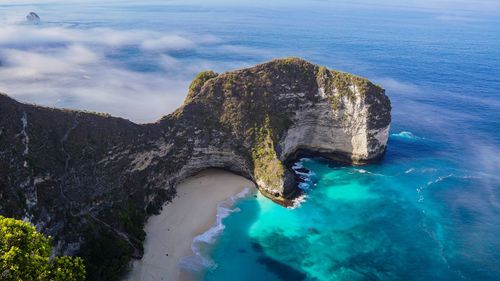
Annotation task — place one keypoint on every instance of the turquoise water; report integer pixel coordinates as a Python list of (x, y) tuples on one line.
[(396, 220), (429, 210)]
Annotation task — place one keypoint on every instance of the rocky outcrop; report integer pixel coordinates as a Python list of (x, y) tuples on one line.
[(349, 123), (33, 18), (90, 180)]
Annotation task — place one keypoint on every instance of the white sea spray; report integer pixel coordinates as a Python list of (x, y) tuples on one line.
[(202, 243)]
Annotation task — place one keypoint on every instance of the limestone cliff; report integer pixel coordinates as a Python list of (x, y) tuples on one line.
[(90, 180)]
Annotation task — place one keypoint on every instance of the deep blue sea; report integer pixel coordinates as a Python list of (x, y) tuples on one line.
[(429, 210)]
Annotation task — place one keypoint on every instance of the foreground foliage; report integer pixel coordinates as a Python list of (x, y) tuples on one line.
[(25, 255)]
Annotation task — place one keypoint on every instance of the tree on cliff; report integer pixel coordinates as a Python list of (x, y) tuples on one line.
[(25, 255)]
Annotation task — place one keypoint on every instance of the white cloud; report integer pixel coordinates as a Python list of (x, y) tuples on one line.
[(167, 43), (34, 65), (15, 34), (87, 68)]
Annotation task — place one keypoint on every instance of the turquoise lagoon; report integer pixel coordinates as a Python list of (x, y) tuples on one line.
[(396, 220)]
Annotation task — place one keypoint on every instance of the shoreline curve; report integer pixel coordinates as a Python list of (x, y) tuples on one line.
[(171, 235)]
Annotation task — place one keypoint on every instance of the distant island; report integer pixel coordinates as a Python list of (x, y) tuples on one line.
[(33, 18), (91, 180)]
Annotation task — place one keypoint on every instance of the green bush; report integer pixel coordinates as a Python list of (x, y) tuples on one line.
[(198, 82), (25, 255), (267, 166)]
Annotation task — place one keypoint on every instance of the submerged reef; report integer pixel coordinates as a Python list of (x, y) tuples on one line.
[(91, 180)]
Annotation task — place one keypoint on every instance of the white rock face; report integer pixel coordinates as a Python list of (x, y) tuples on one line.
[(344, 131), (212, 157)]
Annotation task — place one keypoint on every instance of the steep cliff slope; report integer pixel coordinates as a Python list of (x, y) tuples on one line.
[(91, 180)]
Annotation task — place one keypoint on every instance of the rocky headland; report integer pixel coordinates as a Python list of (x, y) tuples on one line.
[(91, 180)]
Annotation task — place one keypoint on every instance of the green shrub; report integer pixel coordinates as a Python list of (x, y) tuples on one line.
[(25, 255), (198, 82), (267, 166)]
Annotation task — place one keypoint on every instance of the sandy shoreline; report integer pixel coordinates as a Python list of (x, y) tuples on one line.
[(192, 212)]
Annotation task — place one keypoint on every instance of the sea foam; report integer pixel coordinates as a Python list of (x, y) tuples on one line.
[(202, 243), (406, 135), (308, 181), (306, 177)]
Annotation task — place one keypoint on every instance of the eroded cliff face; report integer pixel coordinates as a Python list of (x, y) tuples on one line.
[(91, 180), (350, 122)]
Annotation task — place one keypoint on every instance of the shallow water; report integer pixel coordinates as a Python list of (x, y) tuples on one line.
[(429, 210), (394, 221)]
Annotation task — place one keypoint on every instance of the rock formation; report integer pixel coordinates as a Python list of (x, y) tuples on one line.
[(33, 18), (90, 180)]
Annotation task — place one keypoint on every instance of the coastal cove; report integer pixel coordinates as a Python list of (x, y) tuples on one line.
[(173, 249), (286, 140), (377, 222), (249, 121), (348, 214)]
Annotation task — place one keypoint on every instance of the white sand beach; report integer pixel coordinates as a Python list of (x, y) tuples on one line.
[(192, 212)]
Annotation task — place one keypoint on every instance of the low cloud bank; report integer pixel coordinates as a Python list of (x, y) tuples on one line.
[(136, 74)]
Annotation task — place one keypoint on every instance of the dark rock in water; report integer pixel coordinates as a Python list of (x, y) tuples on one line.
[(313, 230), (302, 170), (91, 180), (257, 247), (32, 17)]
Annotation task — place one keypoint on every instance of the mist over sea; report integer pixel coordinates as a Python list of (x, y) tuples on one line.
[(429, 210)]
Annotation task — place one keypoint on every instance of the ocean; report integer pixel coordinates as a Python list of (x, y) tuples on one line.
[(429, 210)]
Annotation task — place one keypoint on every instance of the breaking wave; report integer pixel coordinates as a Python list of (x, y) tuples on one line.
[(306, 175), (406, 135), (202, 243), (298, 201), (428, 184)]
